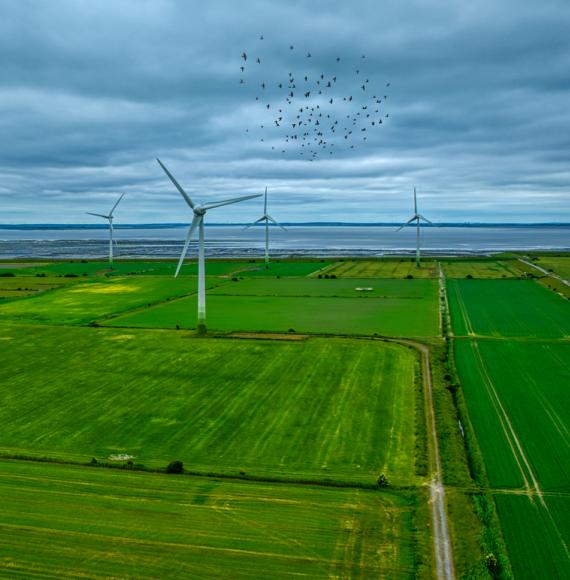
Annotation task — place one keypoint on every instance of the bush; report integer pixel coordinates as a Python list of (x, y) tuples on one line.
[(175, 467), (382, 481), (69, 275), (234, 279), (409, 277), (320, 276), (291, 330), (7, 275), (469, 277), (333, 276)]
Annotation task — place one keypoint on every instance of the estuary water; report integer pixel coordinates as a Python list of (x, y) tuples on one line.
[(298, 240)]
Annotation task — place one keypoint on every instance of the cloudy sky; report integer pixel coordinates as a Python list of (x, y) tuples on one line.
[(91, 92)]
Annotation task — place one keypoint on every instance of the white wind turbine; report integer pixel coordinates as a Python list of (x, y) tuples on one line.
[(198, 222), (266, 218), (417, 218), (110, 219)]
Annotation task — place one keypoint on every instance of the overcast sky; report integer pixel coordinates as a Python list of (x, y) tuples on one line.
[(91, 92)]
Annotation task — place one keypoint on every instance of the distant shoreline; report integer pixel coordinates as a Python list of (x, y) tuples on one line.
[(287, 224)]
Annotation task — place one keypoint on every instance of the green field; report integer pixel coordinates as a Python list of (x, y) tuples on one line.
[(93, 299), (507, 308), (382, 268), (60, 521), (21, 286), (321, 409), (558, 265), (400, 308), (164, 268), (482, 268), (342, 288), (522, 388), (537, 539)]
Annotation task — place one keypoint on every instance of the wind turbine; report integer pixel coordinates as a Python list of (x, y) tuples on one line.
[(198, 222), (110, 218), (266, 218), (417, 218)]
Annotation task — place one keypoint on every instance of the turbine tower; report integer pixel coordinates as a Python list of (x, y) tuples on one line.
[(110, 219), (266, 218), (199, 211), (417, 218)]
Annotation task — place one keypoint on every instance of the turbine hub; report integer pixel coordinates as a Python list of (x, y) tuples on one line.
[(199, 211)]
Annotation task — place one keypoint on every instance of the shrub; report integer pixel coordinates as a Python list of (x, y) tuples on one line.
[(409, 277), (291, 330), (333, 276), (175, 467), (234, 279), (320, 276), (382, 481), (469, 277), (7, 274), (70, 275)]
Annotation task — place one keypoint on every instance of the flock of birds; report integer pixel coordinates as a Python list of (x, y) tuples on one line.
[(313, 112)]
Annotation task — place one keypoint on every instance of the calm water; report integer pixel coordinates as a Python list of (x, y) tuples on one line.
[(298, 240)]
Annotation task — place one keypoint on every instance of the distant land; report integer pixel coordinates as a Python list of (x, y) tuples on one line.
[(290, 224)]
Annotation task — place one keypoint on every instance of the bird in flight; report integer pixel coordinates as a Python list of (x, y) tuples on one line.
[(244, 56)]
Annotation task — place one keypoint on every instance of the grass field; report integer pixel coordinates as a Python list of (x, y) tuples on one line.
[(322, 408), (387, 268), (165, 268), (20, 286), (507, 308), (399, 308), (536, 538), (84, 302), (482, 268), (556, 264), (59, 521), (519, 405), (522, 388), (345, 288)]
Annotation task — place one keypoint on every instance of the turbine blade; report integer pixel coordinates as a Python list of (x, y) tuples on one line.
[(228, 201), (116, 204), (193, 226), (425, 219), (265, 203), (415, 202), (98, 214), (404, 225), (276, 223), (255, 222), (176, 184)]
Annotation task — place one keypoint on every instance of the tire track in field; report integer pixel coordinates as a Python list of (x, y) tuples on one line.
[(463, 310)]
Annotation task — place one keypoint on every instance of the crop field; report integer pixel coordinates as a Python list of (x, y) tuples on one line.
[(556, 264), (164, 268), (388, 268), (61, 521), (522, 388), (326, 409), (84, 302), (536, 538), (482, 268), (20, 286), (507, 308), (342, 288), (399, 308)]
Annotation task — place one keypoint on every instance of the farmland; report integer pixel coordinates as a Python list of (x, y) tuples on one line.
[(530, 380), (164, 268), (393, 308), (63, 521), (385, 268), (515, 383), (558, 264), (482, 268), (507, 308), (84, 302), (326, 409)]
